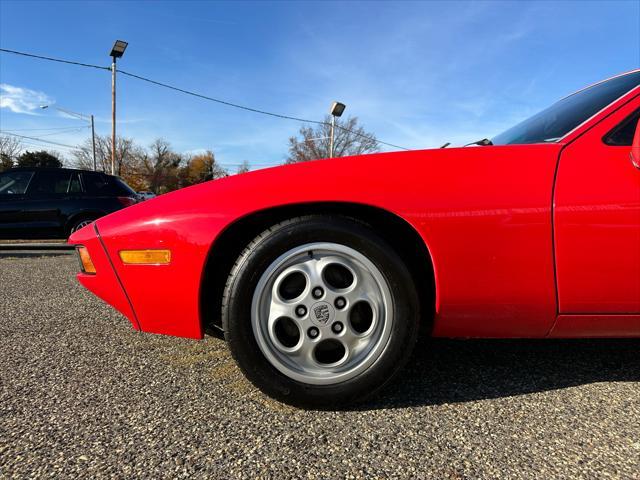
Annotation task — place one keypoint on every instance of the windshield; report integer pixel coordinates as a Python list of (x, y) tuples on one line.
[(560, 118)]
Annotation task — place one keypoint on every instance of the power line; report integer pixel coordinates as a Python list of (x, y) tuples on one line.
[(39, 145), (39, 139), (204, 97), (75, 147), (60, 132), (51, 59), (223, 102), (250, 109), (46, 129), (64, 132)]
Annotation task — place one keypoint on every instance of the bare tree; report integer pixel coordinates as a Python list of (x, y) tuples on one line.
[(244, 167), (313, 142), (159, 166), (10, 147), (126, 155)]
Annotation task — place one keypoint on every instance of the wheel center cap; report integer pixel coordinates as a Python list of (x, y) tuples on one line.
[(321, 314)]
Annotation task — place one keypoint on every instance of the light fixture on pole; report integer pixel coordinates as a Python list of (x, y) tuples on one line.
[(116, 52), (81, 116), (337, 109)]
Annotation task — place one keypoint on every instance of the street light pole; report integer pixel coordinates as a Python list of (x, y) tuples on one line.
[(337, 109), (116, 52), (333, 127), (113, 116)]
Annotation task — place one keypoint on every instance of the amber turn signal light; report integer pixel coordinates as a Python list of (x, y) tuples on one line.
[(145, 257), (85, 260)]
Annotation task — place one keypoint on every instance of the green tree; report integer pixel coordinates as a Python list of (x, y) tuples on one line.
[(41, 158), (313, 142)]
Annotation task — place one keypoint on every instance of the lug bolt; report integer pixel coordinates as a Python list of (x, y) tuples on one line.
[(337, 327), (317, 292), (340, 302), (301, 310), (313, 332)]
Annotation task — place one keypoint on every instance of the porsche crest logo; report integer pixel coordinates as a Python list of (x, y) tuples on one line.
[(321, 313)]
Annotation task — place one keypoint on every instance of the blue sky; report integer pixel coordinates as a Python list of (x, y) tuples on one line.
[(417, 74)]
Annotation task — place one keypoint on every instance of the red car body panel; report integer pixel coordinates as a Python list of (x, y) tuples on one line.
[(596, 326), (485, 215), (597, 224)]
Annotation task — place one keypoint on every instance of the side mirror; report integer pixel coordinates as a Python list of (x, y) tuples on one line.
[(635, 148)]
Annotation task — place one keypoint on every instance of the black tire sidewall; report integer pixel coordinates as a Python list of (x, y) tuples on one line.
[(263, 252), (75, 223)]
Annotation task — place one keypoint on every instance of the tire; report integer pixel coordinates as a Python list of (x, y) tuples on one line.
[(279, 271), (80, 223)]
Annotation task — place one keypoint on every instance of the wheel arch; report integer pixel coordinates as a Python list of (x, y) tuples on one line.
[(395, 230), (85, 214)]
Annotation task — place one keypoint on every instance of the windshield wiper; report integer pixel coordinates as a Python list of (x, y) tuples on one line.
[(485, 142)]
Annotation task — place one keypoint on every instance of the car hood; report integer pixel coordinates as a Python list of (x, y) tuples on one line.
[(369, 179)]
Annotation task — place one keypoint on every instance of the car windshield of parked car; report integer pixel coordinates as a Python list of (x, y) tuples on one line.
[(563, 116), (14, 183)]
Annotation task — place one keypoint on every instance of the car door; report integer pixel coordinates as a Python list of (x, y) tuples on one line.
[(13, 186), (47, 202), (597, 227)]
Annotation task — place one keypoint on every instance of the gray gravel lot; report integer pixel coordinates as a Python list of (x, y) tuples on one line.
[(82, 394)]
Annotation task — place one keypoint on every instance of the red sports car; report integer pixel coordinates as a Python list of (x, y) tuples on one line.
[(321, 273)]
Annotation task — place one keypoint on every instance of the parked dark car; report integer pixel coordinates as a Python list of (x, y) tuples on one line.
[(55, 202)]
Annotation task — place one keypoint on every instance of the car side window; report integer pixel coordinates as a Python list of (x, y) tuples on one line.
[(622, 134), (74, 186), (14, 183), (95, 183), (50, 183)]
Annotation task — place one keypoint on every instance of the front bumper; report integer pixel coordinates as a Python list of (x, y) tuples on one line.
[(104, 283)]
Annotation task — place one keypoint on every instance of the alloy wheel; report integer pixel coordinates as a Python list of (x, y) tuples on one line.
[(322, 313)]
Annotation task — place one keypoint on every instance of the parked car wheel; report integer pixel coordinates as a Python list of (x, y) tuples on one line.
[(81, 223), (320, 311)]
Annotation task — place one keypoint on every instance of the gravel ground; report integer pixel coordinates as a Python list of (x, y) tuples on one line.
[(82, 394)]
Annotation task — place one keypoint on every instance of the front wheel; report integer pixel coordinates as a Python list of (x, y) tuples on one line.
[(320, 311)]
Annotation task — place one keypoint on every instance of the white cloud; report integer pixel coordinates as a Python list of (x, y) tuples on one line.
[(22, 100)]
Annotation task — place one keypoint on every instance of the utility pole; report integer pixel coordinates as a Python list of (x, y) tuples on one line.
[(81, 116), (337, 109), (116, 52), (93, 144)]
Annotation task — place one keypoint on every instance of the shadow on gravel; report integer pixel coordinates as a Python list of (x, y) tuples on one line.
[(447, 371), (33, 254)]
